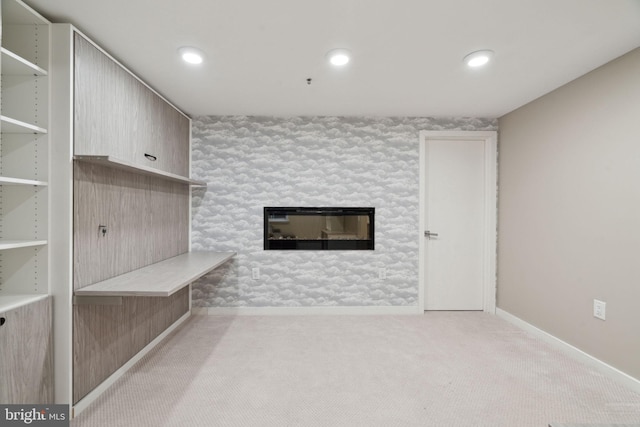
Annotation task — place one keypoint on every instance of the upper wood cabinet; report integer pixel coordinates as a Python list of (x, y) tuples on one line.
[(117, 115)]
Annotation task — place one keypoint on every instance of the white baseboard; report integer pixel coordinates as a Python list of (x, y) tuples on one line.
[(96, 392), (301, 311), (606, 369)]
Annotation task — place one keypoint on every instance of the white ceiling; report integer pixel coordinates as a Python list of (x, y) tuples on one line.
[(407, 54)]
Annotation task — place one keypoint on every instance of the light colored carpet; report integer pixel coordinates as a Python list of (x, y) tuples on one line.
[(439, 369)]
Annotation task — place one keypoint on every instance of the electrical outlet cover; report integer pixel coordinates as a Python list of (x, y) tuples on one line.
[(599, 309)]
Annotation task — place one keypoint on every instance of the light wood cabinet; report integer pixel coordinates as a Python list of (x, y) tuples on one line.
[(118, 214), (117, 115), (26, 368)]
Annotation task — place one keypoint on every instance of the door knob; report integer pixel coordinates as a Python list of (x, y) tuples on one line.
[(428, 234)]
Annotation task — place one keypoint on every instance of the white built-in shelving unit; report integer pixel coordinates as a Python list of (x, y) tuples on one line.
[(26, 341), (24, 156)]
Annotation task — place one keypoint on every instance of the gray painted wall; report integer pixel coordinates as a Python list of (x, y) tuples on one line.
[(569, 212), (252, 162)]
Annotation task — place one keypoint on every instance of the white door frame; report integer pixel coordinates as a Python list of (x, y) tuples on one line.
[(490, 139)]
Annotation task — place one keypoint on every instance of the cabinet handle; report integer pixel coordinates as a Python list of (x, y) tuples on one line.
[(150, 157), (3, 320)]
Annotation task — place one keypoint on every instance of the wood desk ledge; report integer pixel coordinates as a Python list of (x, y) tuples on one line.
[(161, 279)]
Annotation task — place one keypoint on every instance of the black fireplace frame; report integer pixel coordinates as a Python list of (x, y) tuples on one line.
[(282, 213)]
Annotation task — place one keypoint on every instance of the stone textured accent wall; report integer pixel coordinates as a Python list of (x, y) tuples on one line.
[(252, 162)]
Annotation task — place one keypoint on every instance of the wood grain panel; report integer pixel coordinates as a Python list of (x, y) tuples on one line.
[(26, 355), (118, 115), (106, 337), (172, 135), (146, 218), (147, 221), (106, 112)]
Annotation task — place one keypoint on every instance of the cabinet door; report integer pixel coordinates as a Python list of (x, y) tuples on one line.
[(171, 133), (165, 135), (101, 125), (26, 371), (117, 115)]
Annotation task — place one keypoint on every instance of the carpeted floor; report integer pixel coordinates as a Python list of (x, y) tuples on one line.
[(439, 369)]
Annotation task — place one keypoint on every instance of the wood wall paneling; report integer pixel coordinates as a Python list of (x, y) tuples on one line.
[(146, 217), (105, 337), (147, 221), (26, 355)]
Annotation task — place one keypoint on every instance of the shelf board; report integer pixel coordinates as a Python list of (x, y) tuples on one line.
[(10, 302), (161, 279), (132, 167), (15, 65), (10, 125), (16, 244), (19, 181)]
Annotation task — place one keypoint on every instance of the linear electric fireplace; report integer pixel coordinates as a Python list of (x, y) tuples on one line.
[(316, 228)]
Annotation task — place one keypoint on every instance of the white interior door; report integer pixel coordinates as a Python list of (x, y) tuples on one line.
[(455, 220)]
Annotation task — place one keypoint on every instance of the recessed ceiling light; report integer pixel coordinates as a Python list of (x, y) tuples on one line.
[(478, 58), (339, 57), (191, 55)]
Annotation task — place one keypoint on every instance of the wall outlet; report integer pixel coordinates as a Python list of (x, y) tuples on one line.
[(255, 273), (599, 309), (382, 273)]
